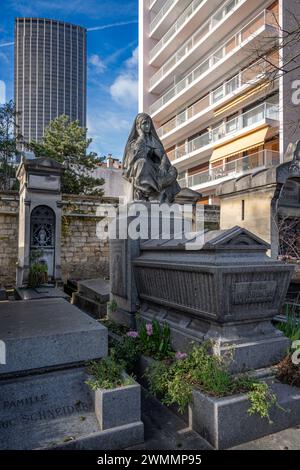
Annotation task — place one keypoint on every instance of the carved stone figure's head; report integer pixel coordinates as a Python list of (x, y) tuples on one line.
[(144, 123)]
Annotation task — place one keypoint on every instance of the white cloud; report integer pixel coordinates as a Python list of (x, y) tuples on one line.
[(132, 62), (124, 90), (97, 62)]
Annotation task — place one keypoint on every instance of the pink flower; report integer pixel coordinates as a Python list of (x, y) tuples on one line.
[(132, 334), (149, 329), (179, 355)]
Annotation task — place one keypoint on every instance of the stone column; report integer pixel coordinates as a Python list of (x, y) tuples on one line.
[(40, 186)]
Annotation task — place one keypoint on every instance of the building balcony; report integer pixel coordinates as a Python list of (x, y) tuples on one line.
[(225, 171), (210, 32), (203, 110), (156, 4), (259, 34), (195, 13), (194, 151), (166, 16)]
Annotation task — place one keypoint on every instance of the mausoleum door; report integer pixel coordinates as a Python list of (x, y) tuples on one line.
[(42, 237)]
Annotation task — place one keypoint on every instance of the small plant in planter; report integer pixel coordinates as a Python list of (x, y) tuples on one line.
[(107, 374), (200, 370), (155, 340), (117, 396), (38, 274)]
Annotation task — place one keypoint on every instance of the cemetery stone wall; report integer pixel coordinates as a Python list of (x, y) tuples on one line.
[(83, 255)]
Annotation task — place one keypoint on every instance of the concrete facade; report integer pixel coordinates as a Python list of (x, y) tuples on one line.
[(207, 77), (50, 74), (255, 201)]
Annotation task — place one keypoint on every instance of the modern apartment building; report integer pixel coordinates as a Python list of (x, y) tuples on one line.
[(207, 78), (50, 73)]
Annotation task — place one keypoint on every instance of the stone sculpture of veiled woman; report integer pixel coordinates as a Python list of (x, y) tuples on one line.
[(146, 165)]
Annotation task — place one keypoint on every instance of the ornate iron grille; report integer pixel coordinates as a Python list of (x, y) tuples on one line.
[(42, 227)]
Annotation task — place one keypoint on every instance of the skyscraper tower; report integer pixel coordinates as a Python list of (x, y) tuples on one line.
[(50, 74)]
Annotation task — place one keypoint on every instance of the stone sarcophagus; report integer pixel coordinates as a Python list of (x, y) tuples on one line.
[(221, 286)]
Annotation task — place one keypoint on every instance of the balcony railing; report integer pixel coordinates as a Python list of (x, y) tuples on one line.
[(254, 161), (227, 128), (233, 85), (172, 31), (227, 48), (161, 14), (195, 39)]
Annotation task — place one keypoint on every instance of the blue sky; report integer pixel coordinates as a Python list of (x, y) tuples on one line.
[(112, 60)]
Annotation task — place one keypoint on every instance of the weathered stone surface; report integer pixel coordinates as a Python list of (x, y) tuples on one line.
[(45, 292), (47, 333), (40, 409), (89, 306), (9, 206), (225, 422), (111, 439), (96, 290), (83, 255), (56, 410), (118, 407)]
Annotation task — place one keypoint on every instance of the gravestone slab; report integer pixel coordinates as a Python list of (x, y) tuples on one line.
[(39, 334), (43, 410), (43, 292), (56, 410)]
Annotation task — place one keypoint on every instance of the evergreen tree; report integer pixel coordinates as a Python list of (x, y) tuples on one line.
[(67, 143), (9, 140)]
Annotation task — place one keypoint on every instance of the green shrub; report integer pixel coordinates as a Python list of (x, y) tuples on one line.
[(38, 275), (126, 351), (262, 399), (155, 339), (112, 305), (291, 328), (174, 381), (107, 374)]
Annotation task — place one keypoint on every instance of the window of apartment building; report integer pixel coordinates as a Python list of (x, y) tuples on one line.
[(257, 111), (218, 94), (218, 131), (232, 123), (198, 169), (232, 85), (253, 114), (273, 144)]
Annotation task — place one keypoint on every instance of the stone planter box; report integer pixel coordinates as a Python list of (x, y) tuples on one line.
[(225, 422), (118, 406)]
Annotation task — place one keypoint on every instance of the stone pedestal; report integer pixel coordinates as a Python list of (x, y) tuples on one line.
[(226, 290), (124, 249)]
